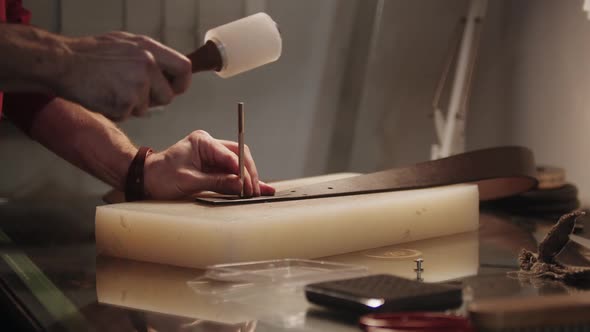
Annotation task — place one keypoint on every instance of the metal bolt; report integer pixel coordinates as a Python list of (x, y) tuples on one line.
[(419, 269), (419, 276), (419, 262)]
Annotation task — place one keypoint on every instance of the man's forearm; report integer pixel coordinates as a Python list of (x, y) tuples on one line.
[(87, 140), (30, 59)]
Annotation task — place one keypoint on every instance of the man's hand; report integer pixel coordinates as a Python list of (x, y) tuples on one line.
[(198, 163), (117, 74), (121, 74)]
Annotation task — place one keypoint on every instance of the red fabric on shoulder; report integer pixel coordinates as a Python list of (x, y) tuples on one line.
[(2, 10), (15, 13), (21, 108), (2, 19)]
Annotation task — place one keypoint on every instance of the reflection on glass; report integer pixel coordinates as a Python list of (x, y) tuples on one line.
[(166, 289), (159, 288), (208, 326), (445, 258)]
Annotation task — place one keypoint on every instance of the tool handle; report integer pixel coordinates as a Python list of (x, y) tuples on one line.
[(206, 57)]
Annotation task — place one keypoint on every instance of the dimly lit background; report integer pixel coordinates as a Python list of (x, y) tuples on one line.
[(353, 89)]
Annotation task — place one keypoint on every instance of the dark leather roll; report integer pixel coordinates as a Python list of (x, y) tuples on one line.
[(568, 192), (547, 203)]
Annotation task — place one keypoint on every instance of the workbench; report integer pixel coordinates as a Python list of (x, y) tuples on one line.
[(49, 275)]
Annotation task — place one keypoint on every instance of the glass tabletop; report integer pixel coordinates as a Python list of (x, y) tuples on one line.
[(50, 272)]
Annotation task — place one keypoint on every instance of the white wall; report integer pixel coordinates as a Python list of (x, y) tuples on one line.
[(393, 126), (549, 80)]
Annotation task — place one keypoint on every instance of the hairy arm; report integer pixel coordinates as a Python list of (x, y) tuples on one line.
[(116, 74), (198, 162), (30, 58), (87, 140)]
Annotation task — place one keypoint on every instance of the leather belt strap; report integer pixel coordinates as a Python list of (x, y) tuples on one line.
[(499, 172)]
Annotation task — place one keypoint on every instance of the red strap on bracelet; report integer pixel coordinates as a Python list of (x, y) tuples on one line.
[(134, 188)]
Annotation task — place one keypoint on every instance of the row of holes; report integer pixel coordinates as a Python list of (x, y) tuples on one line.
[(294, 191)]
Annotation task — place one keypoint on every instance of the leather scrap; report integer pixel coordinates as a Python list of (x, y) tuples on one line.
[(558, 237), (499, 172), (544, 264)]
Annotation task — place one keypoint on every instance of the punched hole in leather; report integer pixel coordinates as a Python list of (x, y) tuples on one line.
[(499, 172)]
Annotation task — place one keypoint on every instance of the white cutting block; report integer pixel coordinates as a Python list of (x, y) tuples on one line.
[(192, 234)]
